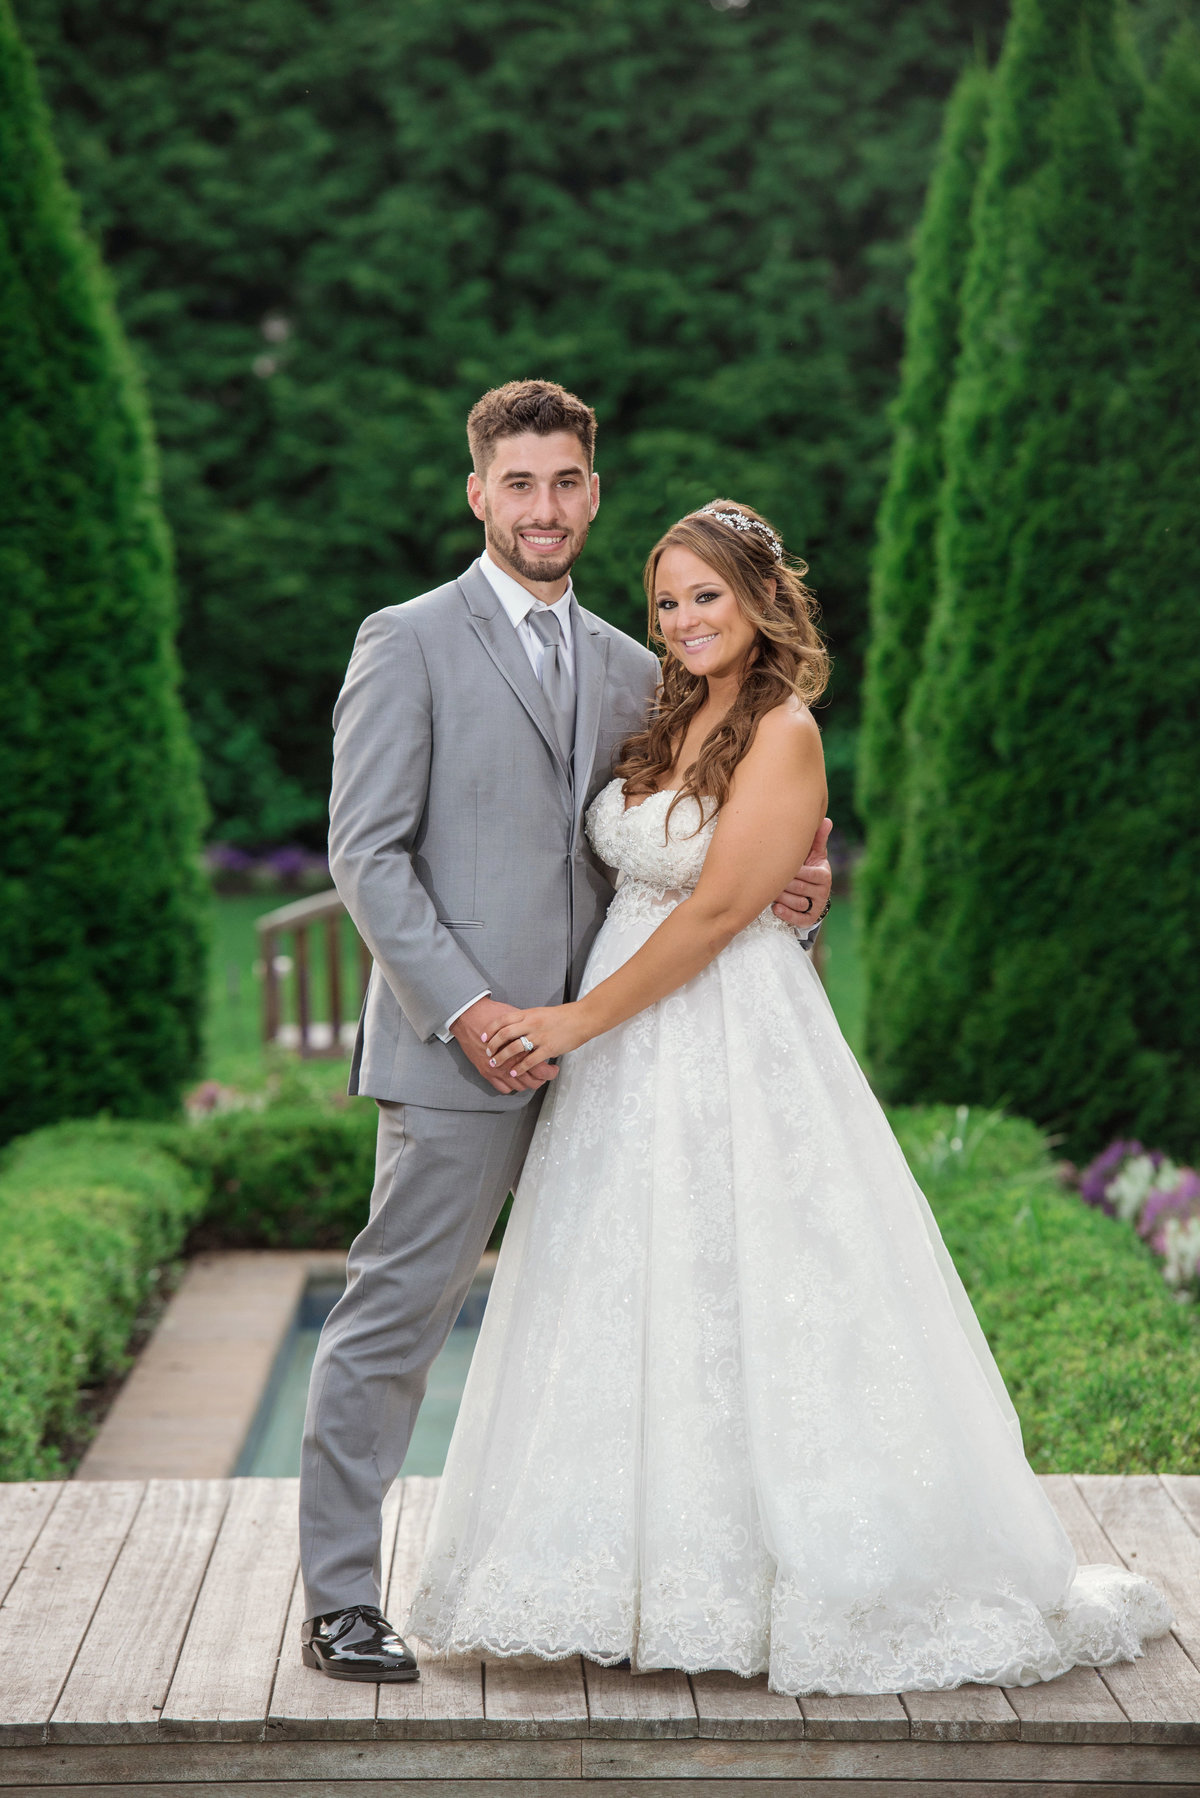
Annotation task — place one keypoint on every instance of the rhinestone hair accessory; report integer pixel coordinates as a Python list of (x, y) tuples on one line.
[(738, 521)]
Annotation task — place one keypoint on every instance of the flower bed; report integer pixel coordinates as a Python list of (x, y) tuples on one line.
[(1159, 1198)]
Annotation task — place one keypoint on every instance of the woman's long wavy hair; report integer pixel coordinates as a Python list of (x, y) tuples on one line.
[(786, 658)]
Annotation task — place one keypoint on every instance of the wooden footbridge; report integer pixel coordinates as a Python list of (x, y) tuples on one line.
[(148, 1646)]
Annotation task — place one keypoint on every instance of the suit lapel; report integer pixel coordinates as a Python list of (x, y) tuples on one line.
[(494, 630), (591, 672)]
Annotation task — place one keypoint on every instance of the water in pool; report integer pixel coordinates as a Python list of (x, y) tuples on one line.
[(273, 1446)]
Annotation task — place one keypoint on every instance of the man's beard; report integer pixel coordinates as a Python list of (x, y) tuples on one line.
[(541, 571)]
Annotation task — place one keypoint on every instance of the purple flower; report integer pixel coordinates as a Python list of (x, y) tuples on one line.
[(1097, 1175), (1182, 1201), (227, 858)]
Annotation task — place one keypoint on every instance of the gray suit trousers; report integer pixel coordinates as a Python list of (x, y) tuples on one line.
[(440, 1180)]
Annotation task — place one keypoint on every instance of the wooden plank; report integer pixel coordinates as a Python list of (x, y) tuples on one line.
[(447, 1700), (216, 1766), (1087, 1537), (24, 1508), (922, 1763), (222, 1684), (618, 1788), (526, 1696), (1152, 1536), (51, 1601), (966, 1714), (625, 1704), (1160, 1693), (307, 1703), (1184, 1490), (731, 1708), (120, 1678), (841, 1717), (1076, 1707)]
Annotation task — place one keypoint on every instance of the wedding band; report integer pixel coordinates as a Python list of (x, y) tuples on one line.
[(527, 1045), (807, 904)]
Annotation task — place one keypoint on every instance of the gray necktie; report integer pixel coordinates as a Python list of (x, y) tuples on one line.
[(557, 684)]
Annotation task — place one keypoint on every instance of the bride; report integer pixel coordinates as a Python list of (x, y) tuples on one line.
[(730, 1407)]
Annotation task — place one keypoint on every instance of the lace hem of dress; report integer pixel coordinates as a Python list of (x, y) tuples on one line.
[(946, 1641)]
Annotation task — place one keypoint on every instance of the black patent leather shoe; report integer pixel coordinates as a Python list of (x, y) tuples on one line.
[(357, 1643)]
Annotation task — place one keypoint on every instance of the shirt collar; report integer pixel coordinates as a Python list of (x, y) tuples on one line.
[(517, 600)]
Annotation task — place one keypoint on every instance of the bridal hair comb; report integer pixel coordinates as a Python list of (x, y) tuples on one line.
[(738, 521)]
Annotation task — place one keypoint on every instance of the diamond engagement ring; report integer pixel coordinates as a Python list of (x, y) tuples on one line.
[(527, 1045)]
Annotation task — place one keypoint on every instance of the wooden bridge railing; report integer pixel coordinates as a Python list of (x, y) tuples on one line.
[(312, 1035)]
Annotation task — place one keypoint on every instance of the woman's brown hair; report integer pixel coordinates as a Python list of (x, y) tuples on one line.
[(787, 656)]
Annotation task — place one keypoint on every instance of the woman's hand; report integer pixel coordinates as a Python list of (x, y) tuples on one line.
[(552, 1030)]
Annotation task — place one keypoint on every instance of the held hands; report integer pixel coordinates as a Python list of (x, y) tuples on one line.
[(552, 1029), (476, 1026), (803, 899)]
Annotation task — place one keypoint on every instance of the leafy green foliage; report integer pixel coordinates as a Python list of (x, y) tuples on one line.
[(332, 227), (1101, 1359), (1155, 558), (101, 894), (903, 570), (295, 1176), (998, 972), (88, 1212)]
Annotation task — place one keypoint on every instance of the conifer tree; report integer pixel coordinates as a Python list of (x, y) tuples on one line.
[(1155, 557), (1000, 968), (903, 572), (101, 911)]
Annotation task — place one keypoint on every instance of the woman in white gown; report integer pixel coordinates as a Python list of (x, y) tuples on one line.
[(730, 1407)]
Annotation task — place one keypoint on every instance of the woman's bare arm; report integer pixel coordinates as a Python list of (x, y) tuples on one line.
[(776, 801)]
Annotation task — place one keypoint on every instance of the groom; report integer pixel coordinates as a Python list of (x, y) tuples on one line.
[(475, 726)]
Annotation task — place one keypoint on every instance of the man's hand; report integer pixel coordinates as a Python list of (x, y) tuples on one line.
[(482, 1019), (804, 899)]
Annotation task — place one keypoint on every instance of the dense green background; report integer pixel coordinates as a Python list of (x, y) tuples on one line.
[(1045, 763), (698, 218)]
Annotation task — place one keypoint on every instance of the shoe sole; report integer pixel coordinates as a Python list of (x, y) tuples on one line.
[(309, 1659)]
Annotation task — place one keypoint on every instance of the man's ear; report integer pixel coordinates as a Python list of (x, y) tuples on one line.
[(595, 498), (475, 494)]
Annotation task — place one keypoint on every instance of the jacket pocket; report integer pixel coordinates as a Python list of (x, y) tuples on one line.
[(462, 923)]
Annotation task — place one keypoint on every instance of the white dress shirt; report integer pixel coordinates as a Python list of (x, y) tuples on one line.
[(518, 603)]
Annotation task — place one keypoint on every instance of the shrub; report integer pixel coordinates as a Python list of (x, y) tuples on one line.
[(903, 570), (88, 1213), (1101, 1359), (999, 977), (101, 893), (295, 1176)]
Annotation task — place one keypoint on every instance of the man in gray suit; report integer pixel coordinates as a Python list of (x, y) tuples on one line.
[(475, 726)]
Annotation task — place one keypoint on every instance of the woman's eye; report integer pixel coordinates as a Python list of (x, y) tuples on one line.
[(666, 605), (701, 597)]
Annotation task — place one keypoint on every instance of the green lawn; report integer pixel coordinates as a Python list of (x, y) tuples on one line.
[(234, 1039)]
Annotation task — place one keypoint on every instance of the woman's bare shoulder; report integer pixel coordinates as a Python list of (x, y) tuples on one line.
[(788, 732)]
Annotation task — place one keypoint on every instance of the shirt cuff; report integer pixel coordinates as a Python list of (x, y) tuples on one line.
[(444, 1035)]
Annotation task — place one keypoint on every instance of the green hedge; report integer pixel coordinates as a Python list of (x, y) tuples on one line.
[(1101, 1359), (292, 1177), (88, 1213)]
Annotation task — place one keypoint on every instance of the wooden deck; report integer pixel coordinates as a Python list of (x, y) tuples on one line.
[(148, 1645)]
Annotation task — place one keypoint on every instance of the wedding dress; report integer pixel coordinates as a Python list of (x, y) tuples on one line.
[(730, 1407)]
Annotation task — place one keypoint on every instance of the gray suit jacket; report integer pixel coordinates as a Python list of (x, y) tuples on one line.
[(454, 838)]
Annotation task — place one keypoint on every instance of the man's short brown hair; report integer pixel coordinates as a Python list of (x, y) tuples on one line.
[(518, 406)]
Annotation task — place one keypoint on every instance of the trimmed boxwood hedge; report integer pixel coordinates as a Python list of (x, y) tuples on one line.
[(88, 1213), (1102, 1360)]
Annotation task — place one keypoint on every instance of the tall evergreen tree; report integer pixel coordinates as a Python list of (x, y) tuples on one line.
[(101, 892), (1155, 555), (1001, 967), (903, 573), (333, 225)]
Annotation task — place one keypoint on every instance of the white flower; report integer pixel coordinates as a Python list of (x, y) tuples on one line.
[(1181, 1250), (1132, 1186)]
